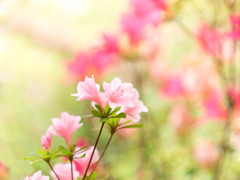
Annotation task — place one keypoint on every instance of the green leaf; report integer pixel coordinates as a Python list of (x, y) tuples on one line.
[(107, 110), (124, 123), (64, 151), (31, 158), (98, 107), (93, 176), (55, 152), (41, 152), (121, 115), (72, 148), (80, 157), (114, 112), (81, 149), (96, 113), (104, 119), (132, 126)]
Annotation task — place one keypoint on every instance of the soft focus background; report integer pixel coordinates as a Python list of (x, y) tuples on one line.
[(43, 47)]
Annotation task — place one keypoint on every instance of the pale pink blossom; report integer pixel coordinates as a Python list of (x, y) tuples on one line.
[(118, 93), (89, 90), (46, 141), (81, 163), (133, 113), (37, 176), (206, 154), (65, 127), (64, 171)]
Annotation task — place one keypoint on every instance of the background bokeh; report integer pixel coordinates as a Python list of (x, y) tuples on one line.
[(38, 40)]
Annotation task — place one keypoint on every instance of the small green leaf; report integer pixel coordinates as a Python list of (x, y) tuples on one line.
[(55, 152), (98, 107), (125, 123), (104, 119), (121, 115), (80, 157), (41, 152), (96, 113), (72, 148), (93, 176), (31, 158), (132, 126), (114, 112), (64, 151), (107, 110)]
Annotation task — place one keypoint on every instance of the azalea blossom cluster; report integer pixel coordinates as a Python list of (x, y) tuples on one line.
[(117, 106)]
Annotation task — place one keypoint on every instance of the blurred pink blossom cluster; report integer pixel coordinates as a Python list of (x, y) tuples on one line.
[(134, 25)]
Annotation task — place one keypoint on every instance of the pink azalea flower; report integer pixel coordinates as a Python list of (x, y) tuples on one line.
[(37, 176), (81, 163), (235, 21), (64, 171), (65, 127), (89, 90), (206, 154), (210, 40), (46, 141), (133, 113), (118, 93)]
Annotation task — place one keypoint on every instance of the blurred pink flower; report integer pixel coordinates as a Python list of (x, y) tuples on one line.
[(118, 93), (65, 127), (64, 171), (235, 21), (97, 60), (206, 154), (110, 42), (172, 87), (89, 90), (81, 163), (79, 66), (214, 107), (46, 141), (147, 10), (37, 176), (133, 26), (210, 40), (180, 118), (3, 171), (133, 113)]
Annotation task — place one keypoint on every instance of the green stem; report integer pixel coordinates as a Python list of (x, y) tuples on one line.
[(48, 162), (109, 140), (95, 146), (72, 168)]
